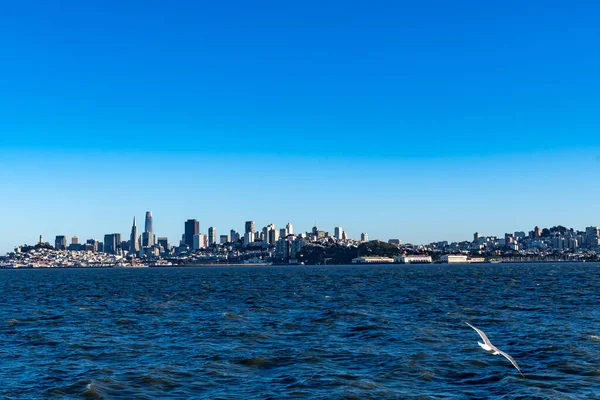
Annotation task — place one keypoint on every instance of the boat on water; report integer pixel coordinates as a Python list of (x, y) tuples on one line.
[(495, 261)]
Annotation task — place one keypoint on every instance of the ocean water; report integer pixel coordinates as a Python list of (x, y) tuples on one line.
[(344, 332)]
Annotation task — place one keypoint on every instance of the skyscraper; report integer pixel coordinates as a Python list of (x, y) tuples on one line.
[(338, 232), (60, 243), (110, 243), (249, 227), (364, 237), (192, 227), (133, 239), (212, 235), (289, 229), (148, 235), (148, 225), (74, 240)]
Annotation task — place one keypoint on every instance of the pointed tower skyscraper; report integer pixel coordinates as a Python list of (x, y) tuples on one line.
[(134, 246)]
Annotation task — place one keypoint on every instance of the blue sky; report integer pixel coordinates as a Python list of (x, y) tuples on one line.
[(420, 120)]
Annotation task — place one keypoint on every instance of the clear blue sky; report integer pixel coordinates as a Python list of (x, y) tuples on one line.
[(418, 120)]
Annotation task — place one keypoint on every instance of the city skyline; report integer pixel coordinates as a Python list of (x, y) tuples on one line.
[(417, 121), (192, 229)]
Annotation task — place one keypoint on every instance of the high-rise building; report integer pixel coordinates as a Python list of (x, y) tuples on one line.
[(282, 233), (364, 237), (74, 240), (60, 242), (338, 232), (197, 242), (148, 226), (192, 227), (110, 243), (289, 229), (476, 236), (248, 238), (134, 247), (164, 243), (234, 236), (537, 232), (224, 239), (212, 235), (93, 243), (249, 228)]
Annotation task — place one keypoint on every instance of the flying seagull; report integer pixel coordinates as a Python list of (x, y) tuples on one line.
[(489, 347)]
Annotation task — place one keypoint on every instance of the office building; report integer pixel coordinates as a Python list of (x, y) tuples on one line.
[(249, 227), (338, 232), (289, 229), (134, 246), (283, 233), (212, 235), (164, 243), (224, 239), (74, 240), (93, 243), (192, 228), (248, 238), (364, 237), (60, 242)]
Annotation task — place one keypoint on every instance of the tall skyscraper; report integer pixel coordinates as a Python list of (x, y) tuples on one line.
[(289, 229), (110, 243), (133, 239), (74, 240), (192, 227), (212, 235), (60, 243), (364, 237), (148, 225), (249, 227), (338, 232)]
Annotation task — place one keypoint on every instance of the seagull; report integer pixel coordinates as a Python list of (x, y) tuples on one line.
[(489, 347)]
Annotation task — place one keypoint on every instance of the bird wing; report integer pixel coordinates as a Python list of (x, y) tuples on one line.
[(512, 361), (483, 336)]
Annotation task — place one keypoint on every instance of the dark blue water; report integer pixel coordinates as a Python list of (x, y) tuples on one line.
[(301, 332)]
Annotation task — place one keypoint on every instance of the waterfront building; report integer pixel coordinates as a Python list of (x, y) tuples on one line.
[(60, 242), (414, 259), (454, 259), (212, 235), (372, 260), (224, 239), (134, 246), (338, 232), (249, 227), (192, 228)]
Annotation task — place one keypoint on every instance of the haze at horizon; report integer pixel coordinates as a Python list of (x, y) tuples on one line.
[(421, 122)]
